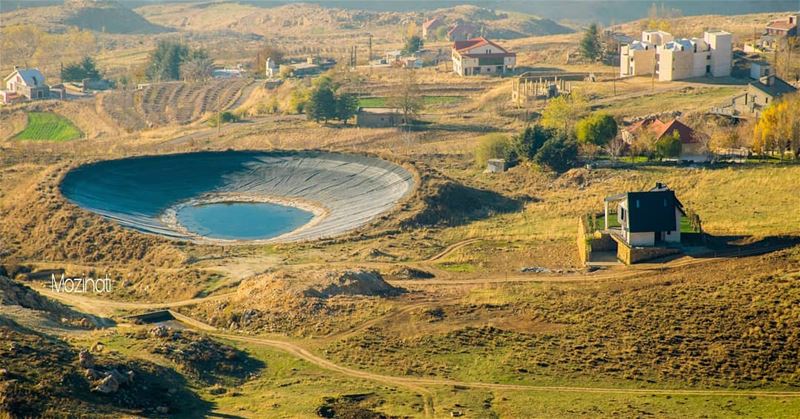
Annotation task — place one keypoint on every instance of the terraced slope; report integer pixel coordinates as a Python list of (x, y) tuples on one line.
[(161, 104)]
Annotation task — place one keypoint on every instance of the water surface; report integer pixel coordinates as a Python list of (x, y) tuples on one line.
[(242, 220)]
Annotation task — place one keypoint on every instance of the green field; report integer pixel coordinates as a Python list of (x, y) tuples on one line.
[(429, 101), (48, 126)]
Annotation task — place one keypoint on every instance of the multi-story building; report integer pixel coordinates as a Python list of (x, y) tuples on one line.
[(481, 56), (675, 59)]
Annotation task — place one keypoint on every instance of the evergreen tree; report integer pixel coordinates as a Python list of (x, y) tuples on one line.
[(528, 143), (321, 104), (75, 72), (590, 43), (413, 44), (346, 106), (165, 62), (559, 153)]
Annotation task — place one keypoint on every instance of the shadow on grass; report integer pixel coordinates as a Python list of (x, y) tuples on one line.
[(720, 81), (709, 246), (456, 204)]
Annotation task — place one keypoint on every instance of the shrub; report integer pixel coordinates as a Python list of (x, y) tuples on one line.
[(528, 142), (493, 146), (559, 153), (597, 129), (669, 146)]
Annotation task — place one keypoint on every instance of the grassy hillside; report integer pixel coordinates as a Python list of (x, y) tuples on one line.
[(48, 126)]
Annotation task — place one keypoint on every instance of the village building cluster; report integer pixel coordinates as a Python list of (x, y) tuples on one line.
[(659, 54)]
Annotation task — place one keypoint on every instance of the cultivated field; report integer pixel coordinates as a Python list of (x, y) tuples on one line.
[(47, 126)]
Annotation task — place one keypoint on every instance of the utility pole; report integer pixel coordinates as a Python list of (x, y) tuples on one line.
[(614, 83), (653, 79), (219, 118), (370, 48)]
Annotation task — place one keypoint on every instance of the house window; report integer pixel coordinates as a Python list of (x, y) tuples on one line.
[(665, 202), (637, 203)]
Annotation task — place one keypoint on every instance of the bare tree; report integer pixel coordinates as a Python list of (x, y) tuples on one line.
[(407, 98), (616, 146), (197, 68)]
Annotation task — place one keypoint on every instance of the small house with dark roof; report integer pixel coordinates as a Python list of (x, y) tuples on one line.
[(645, 218), (481, 56)]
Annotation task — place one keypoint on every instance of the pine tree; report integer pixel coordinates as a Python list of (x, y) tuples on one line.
[(590, 44), (346, 106)]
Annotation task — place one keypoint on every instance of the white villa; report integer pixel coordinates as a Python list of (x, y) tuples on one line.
[(675, 59), (481, 56), (24, 84)]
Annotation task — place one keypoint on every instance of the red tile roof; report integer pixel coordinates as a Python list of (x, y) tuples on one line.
[(435, 22), (461, 46), (687, 135), (661, 129), (782, 25)]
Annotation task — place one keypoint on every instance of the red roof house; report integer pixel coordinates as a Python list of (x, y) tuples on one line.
[(481, 56)]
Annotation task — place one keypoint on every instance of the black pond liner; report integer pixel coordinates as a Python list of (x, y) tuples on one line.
[(136, 192)]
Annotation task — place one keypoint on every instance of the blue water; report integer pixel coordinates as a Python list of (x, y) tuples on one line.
[(242, 220)]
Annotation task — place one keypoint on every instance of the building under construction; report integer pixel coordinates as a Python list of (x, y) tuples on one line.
[(528, 88)]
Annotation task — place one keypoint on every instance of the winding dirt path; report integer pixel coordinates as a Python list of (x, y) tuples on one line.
[(420, 385)]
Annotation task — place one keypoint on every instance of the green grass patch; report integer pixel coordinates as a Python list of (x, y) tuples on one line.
[(428, 101), (48, 126), (457, 267)]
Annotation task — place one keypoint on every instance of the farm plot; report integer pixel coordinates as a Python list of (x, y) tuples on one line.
[(48, 126)]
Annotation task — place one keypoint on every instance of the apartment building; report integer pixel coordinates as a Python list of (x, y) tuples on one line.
[(675, 59)]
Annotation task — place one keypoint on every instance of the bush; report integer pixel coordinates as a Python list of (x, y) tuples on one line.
[(225, 117), (493, 146), (597, 129), (559, 153), (669, 146), (528, 143)]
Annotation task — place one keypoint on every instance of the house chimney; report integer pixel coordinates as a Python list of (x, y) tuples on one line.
[(768, 80), (660, 186)]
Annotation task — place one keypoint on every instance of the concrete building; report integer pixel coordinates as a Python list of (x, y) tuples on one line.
[(760, 94), (637, 59), (431, 27), (783, 27), (759, 69), (646, 218), (272, 69), (481, 56), (25, 84), (677, 59), (463, 31), (379, 117)]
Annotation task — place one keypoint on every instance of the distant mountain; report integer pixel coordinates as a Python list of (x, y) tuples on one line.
[(603, 11), (500, 23), (96, 15), (106, 16)]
